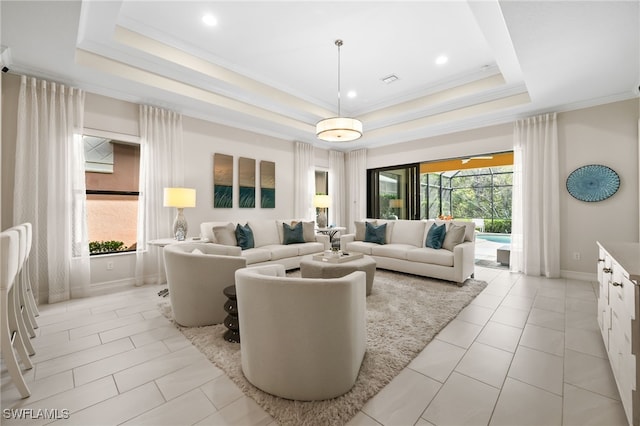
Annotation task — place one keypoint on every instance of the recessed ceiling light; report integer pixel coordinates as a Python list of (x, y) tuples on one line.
[(441, 60), (210, 20), (352, 94)]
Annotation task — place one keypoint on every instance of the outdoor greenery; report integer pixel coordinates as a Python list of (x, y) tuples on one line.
[(498, 226), (98, 247), (473, 193)]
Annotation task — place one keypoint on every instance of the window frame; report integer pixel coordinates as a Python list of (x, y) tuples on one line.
[(126, 139)]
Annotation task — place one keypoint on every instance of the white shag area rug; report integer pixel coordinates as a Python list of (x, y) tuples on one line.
[(404, 313)]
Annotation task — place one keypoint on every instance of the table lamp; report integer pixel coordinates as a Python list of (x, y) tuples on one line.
[(322, 202), (180, 198), (396, 204)]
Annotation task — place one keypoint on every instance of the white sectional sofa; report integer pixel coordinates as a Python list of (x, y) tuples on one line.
[(269, 241), (404, 249)]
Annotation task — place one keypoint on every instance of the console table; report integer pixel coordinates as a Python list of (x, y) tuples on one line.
[(619, 318)]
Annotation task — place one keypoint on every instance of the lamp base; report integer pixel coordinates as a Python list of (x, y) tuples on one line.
[(180, 226), (322, 220)]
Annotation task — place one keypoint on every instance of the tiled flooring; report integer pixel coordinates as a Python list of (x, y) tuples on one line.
[(527, 351)]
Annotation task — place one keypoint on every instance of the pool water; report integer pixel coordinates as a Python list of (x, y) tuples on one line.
[(496, 238)]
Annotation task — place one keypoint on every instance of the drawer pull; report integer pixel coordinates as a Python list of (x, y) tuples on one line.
[(600, 260), (615, 284), (606, 270)]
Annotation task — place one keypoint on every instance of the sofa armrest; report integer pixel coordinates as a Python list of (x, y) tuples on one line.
[(345, 239), (464, 260), (324, 239), (221, 249)]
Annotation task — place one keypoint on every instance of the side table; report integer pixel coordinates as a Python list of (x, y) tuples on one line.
[(231, 321)]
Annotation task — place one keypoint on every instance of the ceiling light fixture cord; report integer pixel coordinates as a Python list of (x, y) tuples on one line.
[(339, 43)]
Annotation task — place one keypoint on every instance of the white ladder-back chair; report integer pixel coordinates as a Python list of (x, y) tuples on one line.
[(11, 336), (31, 300), (24, 321)]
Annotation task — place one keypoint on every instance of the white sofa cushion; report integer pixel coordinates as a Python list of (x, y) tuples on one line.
[(309, 248), (256, 255), (281, 251), (429, 255), (360, 247), (265, 232), (397, 251), (408, 232)]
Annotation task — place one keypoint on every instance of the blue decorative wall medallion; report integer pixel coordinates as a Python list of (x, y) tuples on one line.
[(593, 183)]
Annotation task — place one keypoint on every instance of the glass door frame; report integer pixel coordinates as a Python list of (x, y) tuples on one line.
[(410, 203)]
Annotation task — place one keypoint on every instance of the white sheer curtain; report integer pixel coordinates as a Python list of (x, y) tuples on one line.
[(535, 232), (304, 181), (337, 212), (161, 166), (49, 187), (357, 191)]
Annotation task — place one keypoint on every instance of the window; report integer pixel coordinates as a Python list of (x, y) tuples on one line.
[(472, 188), (112, 172)]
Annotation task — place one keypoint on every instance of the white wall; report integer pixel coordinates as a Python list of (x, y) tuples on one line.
[(607, 134), (202, 140)]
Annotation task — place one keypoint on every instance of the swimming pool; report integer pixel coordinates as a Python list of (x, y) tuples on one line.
[(496, 238)]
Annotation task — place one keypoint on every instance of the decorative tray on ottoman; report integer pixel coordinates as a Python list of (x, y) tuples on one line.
[(337, 258)]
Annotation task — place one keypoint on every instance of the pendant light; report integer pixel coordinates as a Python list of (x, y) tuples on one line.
[(339, 129)]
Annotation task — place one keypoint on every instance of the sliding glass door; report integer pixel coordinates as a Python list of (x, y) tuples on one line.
[(394, 192)]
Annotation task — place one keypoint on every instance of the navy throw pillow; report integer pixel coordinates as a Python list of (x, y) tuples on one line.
[(435, 236), (244, 235), (375, 234), (292, 234)]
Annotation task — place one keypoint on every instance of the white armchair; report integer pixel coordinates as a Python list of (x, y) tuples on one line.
[(302, 338), (196, 280)]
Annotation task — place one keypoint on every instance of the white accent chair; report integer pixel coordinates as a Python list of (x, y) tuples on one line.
[(302, 338), (10, 335), (196, 280)]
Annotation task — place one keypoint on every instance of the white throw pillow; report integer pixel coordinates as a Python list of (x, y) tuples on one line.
[(225, 235), (454, 236)]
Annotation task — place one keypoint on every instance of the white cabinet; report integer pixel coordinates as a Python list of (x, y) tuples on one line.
[(619, 318)]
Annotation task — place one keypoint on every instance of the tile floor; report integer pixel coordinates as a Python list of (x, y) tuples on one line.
[(526, 351)]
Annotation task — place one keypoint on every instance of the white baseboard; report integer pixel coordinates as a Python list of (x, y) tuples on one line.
[(109, 287), (582, 276)]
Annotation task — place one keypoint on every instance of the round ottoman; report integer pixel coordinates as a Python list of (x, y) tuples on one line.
[(310, 268)]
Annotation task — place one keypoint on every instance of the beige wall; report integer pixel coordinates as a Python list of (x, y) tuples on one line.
[(607, 134)]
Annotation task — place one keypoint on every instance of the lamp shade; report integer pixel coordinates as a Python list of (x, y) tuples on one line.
[(396, 203), (339, 129), (179, 197), (321, 201)]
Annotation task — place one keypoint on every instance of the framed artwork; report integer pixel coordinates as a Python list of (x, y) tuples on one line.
[(222, 181), (267, 184), (247, 182), (593, 183)]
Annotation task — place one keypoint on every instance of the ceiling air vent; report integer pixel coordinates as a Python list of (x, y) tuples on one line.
[(390, 78)]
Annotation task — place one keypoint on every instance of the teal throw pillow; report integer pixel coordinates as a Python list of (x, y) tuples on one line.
[(435, 236), (292, 234), (375, 234), (244, 235)]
